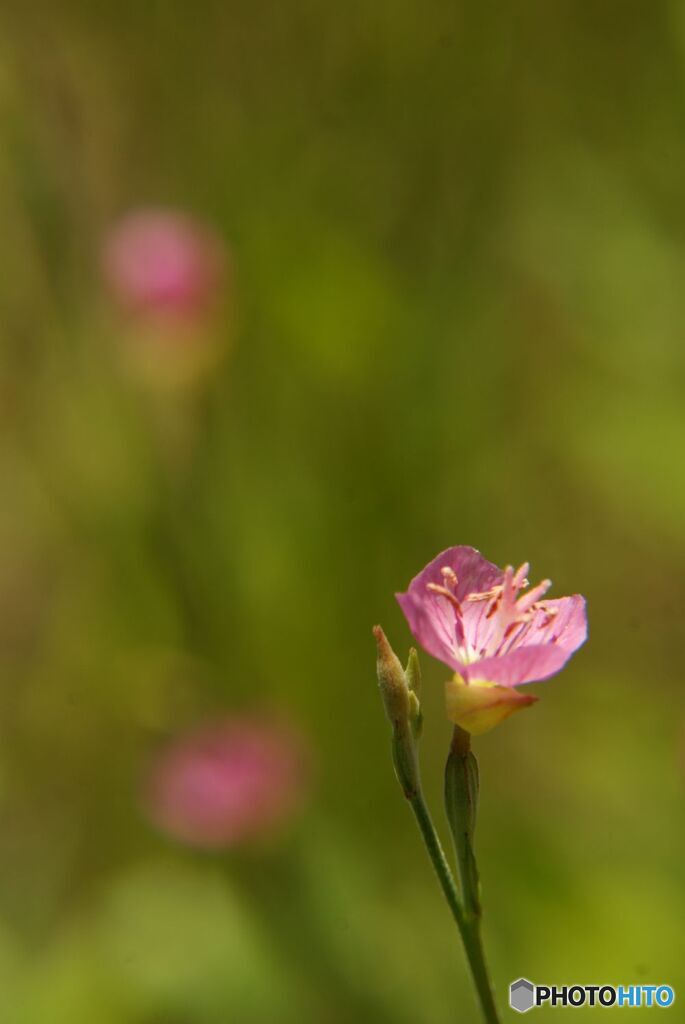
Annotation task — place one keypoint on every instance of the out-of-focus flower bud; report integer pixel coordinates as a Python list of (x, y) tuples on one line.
[(169, 277), (161, 264), (227, 782)]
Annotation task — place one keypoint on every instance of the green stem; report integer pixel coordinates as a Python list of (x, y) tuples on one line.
[(473, 944), (468, 924)]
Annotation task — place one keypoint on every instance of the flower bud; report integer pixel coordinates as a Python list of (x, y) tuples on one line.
[(403, 709), (168, 276), (413, 672), (413, 676), (227, 782), (391, 680), (461, 804), (163, 264)]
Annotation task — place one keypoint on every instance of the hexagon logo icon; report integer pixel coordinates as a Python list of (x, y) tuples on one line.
[(522, 995)]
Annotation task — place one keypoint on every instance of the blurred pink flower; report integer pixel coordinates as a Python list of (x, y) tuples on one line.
[(227, 782), (477, 619), (161, 263)]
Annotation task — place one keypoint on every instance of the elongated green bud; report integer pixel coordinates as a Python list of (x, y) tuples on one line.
[(461, 804), (413, 673), (403, 710), (391, 679), (413, 676)]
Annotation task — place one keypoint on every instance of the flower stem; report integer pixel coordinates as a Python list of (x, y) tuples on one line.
[(468, 924)]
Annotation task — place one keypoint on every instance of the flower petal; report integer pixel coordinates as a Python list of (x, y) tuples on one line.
[(544, 647), (478, 707), (566, 626), (523, 665), (473, 571), (430, 616)]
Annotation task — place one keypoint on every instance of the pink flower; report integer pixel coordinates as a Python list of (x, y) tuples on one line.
[(162, 263), (495, 633), (227, 782)]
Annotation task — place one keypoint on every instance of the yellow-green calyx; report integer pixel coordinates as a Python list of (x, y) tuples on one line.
[(478, 706)]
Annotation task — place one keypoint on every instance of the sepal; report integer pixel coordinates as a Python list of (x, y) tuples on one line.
[(478, 706)]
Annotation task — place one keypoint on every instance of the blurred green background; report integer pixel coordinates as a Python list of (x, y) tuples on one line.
[(458, 240)]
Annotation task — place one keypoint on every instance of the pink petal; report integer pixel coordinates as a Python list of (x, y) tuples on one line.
[(547, 646), (432, 625), (522, 665), (430, 617), (474, 573), (568, 627)]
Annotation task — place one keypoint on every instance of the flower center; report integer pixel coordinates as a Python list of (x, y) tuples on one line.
[(491, 622)]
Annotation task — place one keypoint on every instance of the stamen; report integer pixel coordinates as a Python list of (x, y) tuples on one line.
[(532, 597), (486, 595), (508, 608), (435, 588), (520, 576), (550, 616), (511, 627), (449, 576)]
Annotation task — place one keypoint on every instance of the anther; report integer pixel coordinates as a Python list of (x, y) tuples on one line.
[(435, 588), (449, 576), (520, 576), (486, 595), (530, 599)]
